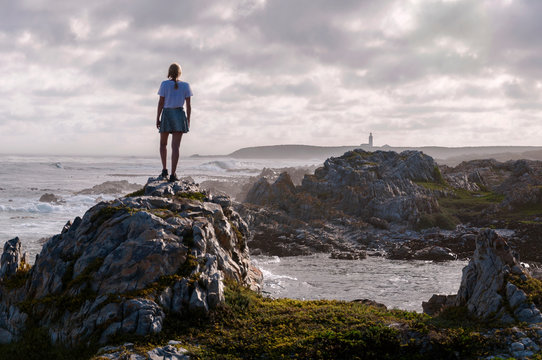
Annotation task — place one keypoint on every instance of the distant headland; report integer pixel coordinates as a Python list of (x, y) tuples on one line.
[(444, 155)]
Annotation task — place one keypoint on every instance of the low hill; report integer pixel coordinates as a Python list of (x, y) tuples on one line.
[(291, 151), (444, 155)]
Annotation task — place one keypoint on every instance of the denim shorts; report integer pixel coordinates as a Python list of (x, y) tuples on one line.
[(173, 120)]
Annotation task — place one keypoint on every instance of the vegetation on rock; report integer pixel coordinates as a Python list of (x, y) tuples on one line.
[(251, 326), (191, 195), (18, 279), (139, 192)]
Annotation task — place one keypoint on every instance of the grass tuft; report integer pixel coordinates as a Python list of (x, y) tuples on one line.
[(139, 192), (199, 196), (18, 279)]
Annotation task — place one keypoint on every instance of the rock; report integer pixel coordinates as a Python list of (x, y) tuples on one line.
[(5, 336), (11, 258), (517, 346), (434, 253), (107, 264), (369, 302), (378, 223), (110, 187), (168, 352), (485, 288), (352, 255), (401, 252), (437, 303), (126, 352), (483, 279), (359, 183), (51, 198)]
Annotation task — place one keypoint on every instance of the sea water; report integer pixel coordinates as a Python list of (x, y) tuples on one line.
[(24, 179), (401, 284)]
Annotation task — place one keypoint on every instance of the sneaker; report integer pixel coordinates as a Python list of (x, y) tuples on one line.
[(164, 174), (173, 177)]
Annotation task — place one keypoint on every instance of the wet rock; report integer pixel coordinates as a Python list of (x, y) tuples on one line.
[(51, 198), (401, 252), (351, 255), (434, 253)]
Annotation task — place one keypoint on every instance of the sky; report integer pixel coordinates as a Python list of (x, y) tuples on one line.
[(81, 77)]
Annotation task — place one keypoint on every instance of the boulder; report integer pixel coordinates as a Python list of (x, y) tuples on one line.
[(348, 255), (51, 198), (488, 288), (11, 258), (127, 263), (434, 253), (437, 303)]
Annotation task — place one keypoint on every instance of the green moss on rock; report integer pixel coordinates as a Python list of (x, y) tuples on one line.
[(139, 192), (191, 195)]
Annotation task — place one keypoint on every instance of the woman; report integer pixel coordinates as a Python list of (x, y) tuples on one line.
[(173, 94)]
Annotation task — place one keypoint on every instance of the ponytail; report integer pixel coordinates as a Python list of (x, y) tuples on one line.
[(174, 73)]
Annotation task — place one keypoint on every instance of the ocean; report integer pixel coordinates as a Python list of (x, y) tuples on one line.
[(25, 179)]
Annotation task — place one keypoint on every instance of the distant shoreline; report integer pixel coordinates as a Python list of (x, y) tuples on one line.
[(453, 154)]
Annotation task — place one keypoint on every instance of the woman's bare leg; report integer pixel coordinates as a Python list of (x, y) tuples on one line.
[(175, 144), (163, 149)]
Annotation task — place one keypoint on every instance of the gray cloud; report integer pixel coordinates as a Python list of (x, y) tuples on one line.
[(265, 71)]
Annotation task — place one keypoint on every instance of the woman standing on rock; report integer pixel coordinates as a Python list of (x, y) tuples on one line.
[(173, 94)]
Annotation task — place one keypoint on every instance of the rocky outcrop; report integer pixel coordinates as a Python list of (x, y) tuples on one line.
[(238, 187), (488, 289), (433, 253), (110, 187), (348, 194), (127, 263), (519, 181), (172, 351), (360, 184), (11, 259)]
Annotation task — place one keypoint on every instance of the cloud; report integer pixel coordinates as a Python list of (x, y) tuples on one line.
[(77, 75)]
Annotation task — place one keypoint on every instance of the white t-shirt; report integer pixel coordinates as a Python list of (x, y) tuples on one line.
[(174, 97)]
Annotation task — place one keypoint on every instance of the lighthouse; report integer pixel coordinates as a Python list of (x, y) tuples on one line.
[(370, 139)]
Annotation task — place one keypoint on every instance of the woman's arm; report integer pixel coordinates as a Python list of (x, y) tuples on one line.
[(188, 109), (159, 111)]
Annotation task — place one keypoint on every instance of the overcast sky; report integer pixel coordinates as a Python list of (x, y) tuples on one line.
[(80, 77)]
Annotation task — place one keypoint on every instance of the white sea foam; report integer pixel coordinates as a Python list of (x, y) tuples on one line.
[(263, 260), (219, 165), (269, 276), (31, 208)]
